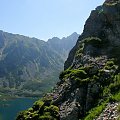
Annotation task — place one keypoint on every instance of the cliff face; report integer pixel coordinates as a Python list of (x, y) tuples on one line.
[(91, 77), (103, 23)]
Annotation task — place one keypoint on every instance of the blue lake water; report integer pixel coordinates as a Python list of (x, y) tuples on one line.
[(10, 108)]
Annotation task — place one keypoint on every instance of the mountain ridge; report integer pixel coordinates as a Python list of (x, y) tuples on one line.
[(24, 59)]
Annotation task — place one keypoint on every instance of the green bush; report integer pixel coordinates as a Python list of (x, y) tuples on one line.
[(88, 68), (38, 105), (115, 86), (27, 115), (95, 78), (78, 73), (54, 110), (115, 97), (46, 117), (96, 42), (63, 73), (118, 118), (79, 52), (73, 73), (110, 63)]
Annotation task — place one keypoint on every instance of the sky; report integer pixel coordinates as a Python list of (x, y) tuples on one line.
[(45, 19)]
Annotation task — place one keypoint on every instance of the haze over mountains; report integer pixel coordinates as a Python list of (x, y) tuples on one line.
[(29, 66)]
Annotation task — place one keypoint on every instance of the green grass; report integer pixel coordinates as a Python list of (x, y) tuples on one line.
[(95, 111), (118, 118), (115, 97), (70, 73), (119, 108)]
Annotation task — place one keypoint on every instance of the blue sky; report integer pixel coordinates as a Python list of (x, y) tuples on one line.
[(45, 19)]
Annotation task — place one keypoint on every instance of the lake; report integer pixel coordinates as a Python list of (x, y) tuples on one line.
[(10, 108)]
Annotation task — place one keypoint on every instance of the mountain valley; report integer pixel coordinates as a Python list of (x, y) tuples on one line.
[(29, 66)]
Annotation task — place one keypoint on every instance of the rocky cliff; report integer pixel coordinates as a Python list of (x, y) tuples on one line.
[(91, 78)]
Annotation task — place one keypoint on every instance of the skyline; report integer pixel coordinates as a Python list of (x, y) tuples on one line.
[(45, 19)]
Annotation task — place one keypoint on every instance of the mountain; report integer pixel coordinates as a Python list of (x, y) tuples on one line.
[(64, 45), (29, 66), (90, 81)]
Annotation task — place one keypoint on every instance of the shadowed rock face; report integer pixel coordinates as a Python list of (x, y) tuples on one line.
[(98, 44), (103, 23), (92, 66)]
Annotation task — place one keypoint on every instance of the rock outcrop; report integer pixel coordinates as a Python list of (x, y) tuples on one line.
[(91, 77)]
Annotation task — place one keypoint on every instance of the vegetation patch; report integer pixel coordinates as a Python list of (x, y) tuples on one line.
[(93, 113), (75, 73), (79, 52), (40, 111), (94, 41)]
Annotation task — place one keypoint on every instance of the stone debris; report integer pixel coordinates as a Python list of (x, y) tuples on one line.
[(110, 113)]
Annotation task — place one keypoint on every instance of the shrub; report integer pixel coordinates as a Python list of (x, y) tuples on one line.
[(110, 63), (63, 73), (73, 74), (45, 117), (27, 115), (30, 109), (96, 42), (80, 50), (20, 115), (88, 68), (78, 73), (95, 77), (54, 110), (114, 87), (38, 105)]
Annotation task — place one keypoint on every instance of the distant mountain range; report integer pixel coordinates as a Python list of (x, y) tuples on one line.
[(29, 66)]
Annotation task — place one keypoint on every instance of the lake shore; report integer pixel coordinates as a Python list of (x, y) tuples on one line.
[(10, 106)]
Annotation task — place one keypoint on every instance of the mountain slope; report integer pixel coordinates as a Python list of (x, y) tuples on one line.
[(91, 78), (27, 64), (64, 45)]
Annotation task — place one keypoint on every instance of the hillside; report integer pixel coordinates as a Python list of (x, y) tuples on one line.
[(91, 79), (29, 66)]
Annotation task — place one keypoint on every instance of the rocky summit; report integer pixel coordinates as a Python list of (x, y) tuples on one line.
[(90, 81)]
